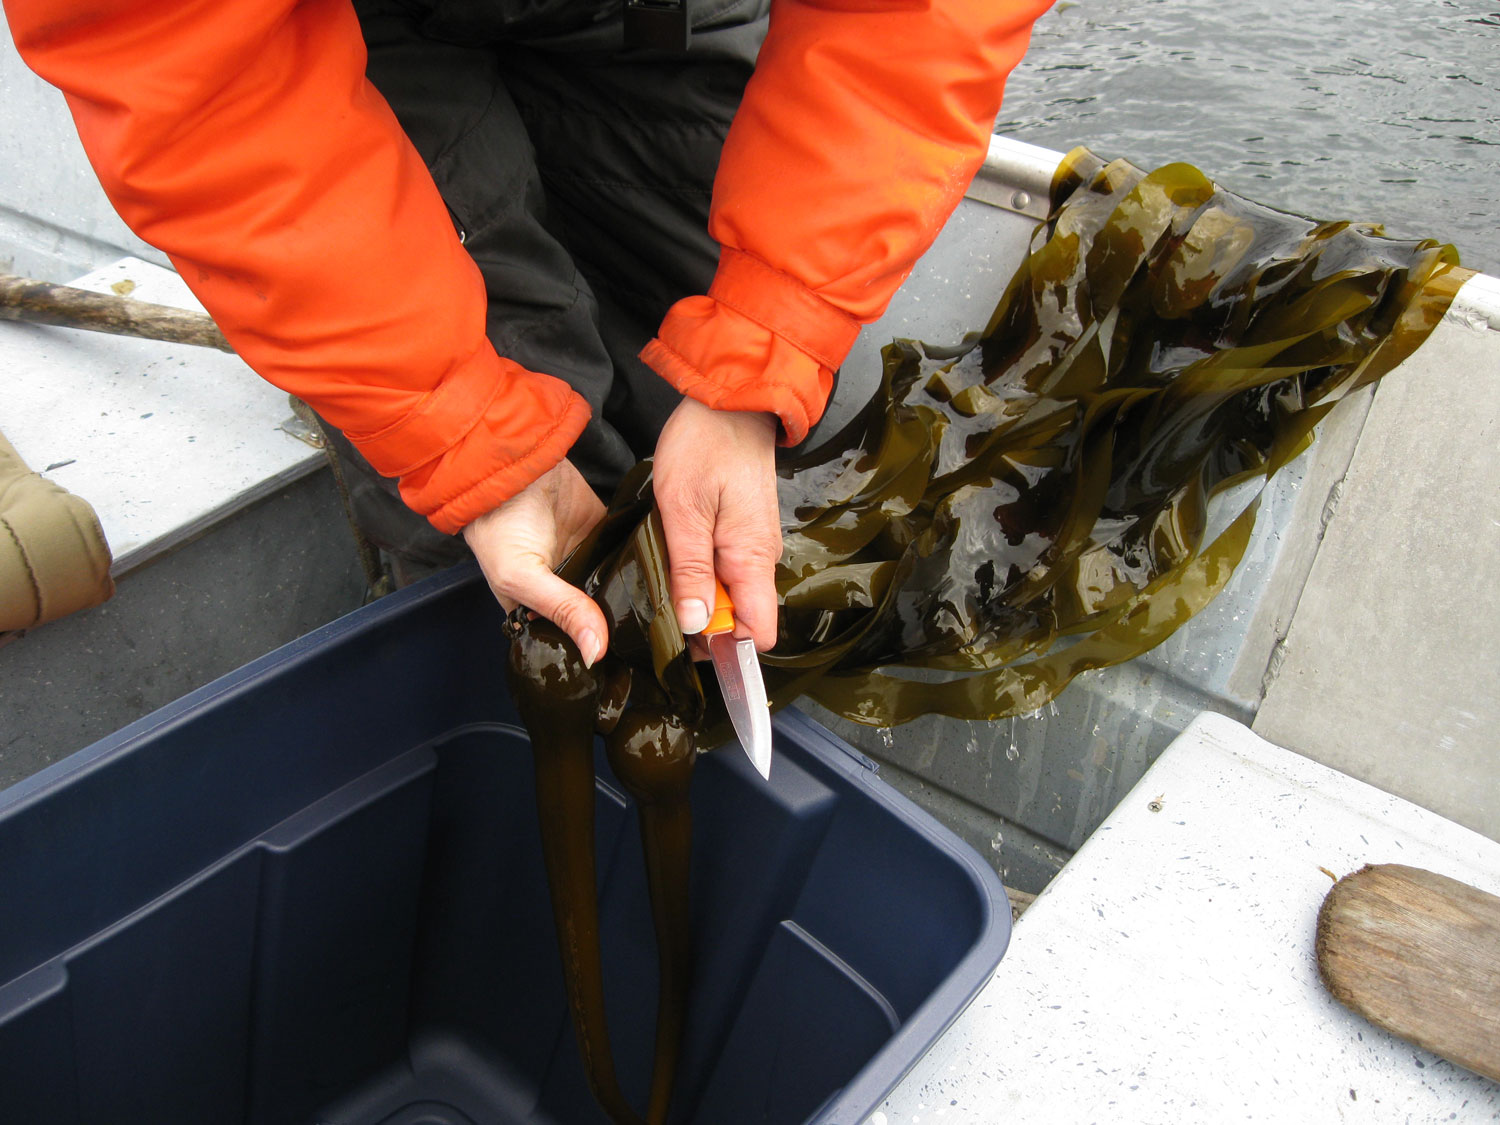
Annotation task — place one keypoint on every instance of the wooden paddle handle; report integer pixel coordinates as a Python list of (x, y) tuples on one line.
[(40, 302), (1418, 954)]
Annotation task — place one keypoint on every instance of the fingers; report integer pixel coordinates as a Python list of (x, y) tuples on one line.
[(747, 541), (688, 522), (715, 482), (740, 548), (566, 606), (519, 542)]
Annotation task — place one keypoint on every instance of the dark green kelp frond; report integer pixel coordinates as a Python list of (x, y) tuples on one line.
[(1164, 341), (1057, 493)]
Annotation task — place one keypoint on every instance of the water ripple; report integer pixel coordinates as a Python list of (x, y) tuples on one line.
[(1378, 110)]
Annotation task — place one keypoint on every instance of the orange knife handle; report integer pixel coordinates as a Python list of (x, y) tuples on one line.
[(722, 620)]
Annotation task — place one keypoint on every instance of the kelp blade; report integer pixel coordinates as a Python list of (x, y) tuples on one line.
[(1041, 498)]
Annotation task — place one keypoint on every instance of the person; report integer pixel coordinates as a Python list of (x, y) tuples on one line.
[(505, 256)]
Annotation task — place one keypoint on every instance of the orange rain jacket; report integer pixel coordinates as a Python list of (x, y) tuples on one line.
[(242, 138)]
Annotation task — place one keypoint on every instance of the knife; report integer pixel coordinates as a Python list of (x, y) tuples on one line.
[(740, 682)]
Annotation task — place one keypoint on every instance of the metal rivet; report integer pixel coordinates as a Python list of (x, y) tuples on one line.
[(1020, 201)]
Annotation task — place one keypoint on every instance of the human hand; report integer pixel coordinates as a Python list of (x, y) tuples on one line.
[(519, 543), (715, 485)]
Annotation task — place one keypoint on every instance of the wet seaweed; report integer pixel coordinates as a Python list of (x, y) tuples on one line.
[(1056, 493)]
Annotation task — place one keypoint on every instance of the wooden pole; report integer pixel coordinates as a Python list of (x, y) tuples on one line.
[(39, 302), (1419, 955)]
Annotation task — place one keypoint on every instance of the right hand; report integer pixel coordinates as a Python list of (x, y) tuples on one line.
[(715, 484), (519, 543)]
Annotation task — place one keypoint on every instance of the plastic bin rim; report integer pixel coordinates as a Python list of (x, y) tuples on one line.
[(362, 620)]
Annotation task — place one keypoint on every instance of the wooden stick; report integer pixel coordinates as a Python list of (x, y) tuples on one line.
[(1418, 954), (39, 302)]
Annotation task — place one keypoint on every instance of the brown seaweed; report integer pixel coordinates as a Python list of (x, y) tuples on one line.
[(1051, 496), (1055, 494)]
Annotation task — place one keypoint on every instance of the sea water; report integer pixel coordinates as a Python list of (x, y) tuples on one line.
[(1378, 110)]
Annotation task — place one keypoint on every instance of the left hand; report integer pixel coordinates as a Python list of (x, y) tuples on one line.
[(519, 542), (715, 485)]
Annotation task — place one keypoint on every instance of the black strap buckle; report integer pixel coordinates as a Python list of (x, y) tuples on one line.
[(660, 25)]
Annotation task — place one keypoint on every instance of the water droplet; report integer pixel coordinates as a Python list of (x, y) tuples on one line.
[(1052, 708), (997, 843)]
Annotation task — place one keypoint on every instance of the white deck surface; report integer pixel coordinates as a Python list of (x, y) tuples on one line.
[(162, 439), (1168, 975)]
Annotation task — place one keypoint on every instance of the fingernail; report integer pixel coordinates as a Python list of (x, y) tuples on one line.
[(591, 650), (692, 615)]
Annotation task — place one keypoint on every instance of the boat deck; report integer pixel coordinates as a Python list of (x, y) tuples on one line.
[(1169, 973)]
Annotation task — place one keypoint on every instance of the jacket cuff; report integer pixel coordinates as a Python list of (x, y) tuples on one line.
[(528, 424), (760, 340)]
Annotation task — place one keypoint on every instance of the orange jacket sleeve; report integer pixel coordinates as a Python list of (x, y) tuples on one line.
[(860, 130), (241, 137)]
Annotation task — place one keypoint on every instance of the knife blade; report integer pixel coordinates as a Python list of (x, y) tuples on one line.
[(741, 683)]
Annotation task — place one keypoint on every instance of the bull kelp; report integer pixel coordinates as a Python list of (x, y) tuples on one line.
[(1058, 493)]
